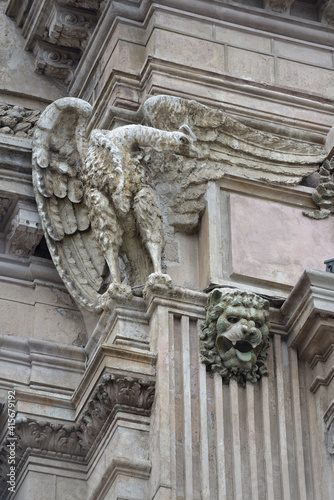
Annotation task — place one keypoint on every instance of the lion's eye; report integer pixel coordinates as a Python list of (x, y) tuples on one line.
[(258, 324), (233, 319), (184, 140)]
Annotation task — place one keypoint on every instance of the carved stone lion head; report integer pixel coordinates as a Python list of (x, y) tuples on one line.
[(235, 336)]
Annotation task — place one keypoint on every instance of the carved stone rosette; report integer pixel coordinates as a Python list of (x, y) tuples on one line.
[(235, 337), (75, 441)]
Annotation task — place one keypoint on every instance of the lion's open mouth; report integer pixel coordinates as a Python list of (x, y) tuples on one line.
[(240, 348)]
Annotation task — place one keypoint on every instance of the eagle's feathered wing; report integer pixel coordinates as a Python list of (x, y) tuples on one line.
[(225, 146), (59, 151)]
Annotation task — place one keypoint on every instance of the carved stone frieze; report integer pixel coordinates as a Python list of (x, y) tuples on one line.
[(235, 336), (17, 120), (73, 441), (114, 393)]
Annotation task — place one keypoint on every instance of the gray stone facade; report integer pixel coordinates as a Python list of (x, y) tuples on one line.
[(160, 388)]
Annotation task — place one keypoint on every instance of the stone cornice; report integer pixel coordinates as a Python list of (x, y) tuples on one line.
[(56, 32), (309, 316), (66, 26), (76, 441)]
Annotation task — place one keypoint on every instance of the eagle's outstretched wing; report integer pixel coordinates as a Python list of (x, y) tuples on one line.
[(59, 150), (226, 146)]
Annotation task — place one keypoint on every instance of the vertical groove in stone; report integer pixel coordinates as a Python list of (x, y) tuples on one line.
[(297, 423), (252, 441), (268, 462), (204, 448), (187, 431), (283, 445), (172, 416), (235, 431), (220, 450), (178, 409), (163, 394)]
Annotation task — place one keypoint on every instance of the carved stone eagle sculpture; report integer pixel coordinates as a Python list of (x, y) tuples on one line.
[(95, 196), (98, 210)]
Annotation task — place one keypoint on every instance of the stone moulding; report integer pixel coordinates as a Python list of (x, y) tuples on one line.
[(76, 442), (235, 336), (64, 29), (329, 425)]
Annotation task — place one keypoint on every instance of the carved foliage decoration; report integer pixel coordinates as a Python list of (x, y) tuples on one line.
[(74, 441), (235, 337), (323, 195), (114, 393)]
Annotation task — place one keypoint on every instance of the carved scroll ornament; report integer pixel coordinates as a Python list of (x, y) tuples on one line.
[(235, 337)]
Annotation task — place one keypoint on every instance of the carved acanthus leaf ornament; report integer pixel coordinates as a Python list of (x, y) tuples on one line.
[(235, 337), (323, 195), (74, 441)]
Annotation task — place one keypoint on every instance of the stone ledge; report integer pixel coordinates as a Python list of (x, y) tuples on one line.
[(78, 440), (309, 316)]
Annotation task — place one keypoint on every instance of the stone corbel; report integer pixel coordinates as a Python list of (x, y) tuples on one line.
[(55, 62), (66, 25), (282, 6), (69, 28), (25, 230), (327, 11)]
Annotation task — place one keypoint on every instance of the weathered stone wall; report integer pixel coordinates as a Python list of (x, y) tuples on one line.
[(233, 217)]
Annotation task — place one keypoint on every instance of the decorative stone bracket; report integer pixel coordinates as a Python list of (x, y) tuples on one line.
[(58, 34), (76, 442), (25, 230)]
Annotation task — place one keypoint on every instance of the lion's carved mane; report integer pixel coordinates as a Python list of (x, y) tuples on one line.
[(235, 336)]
